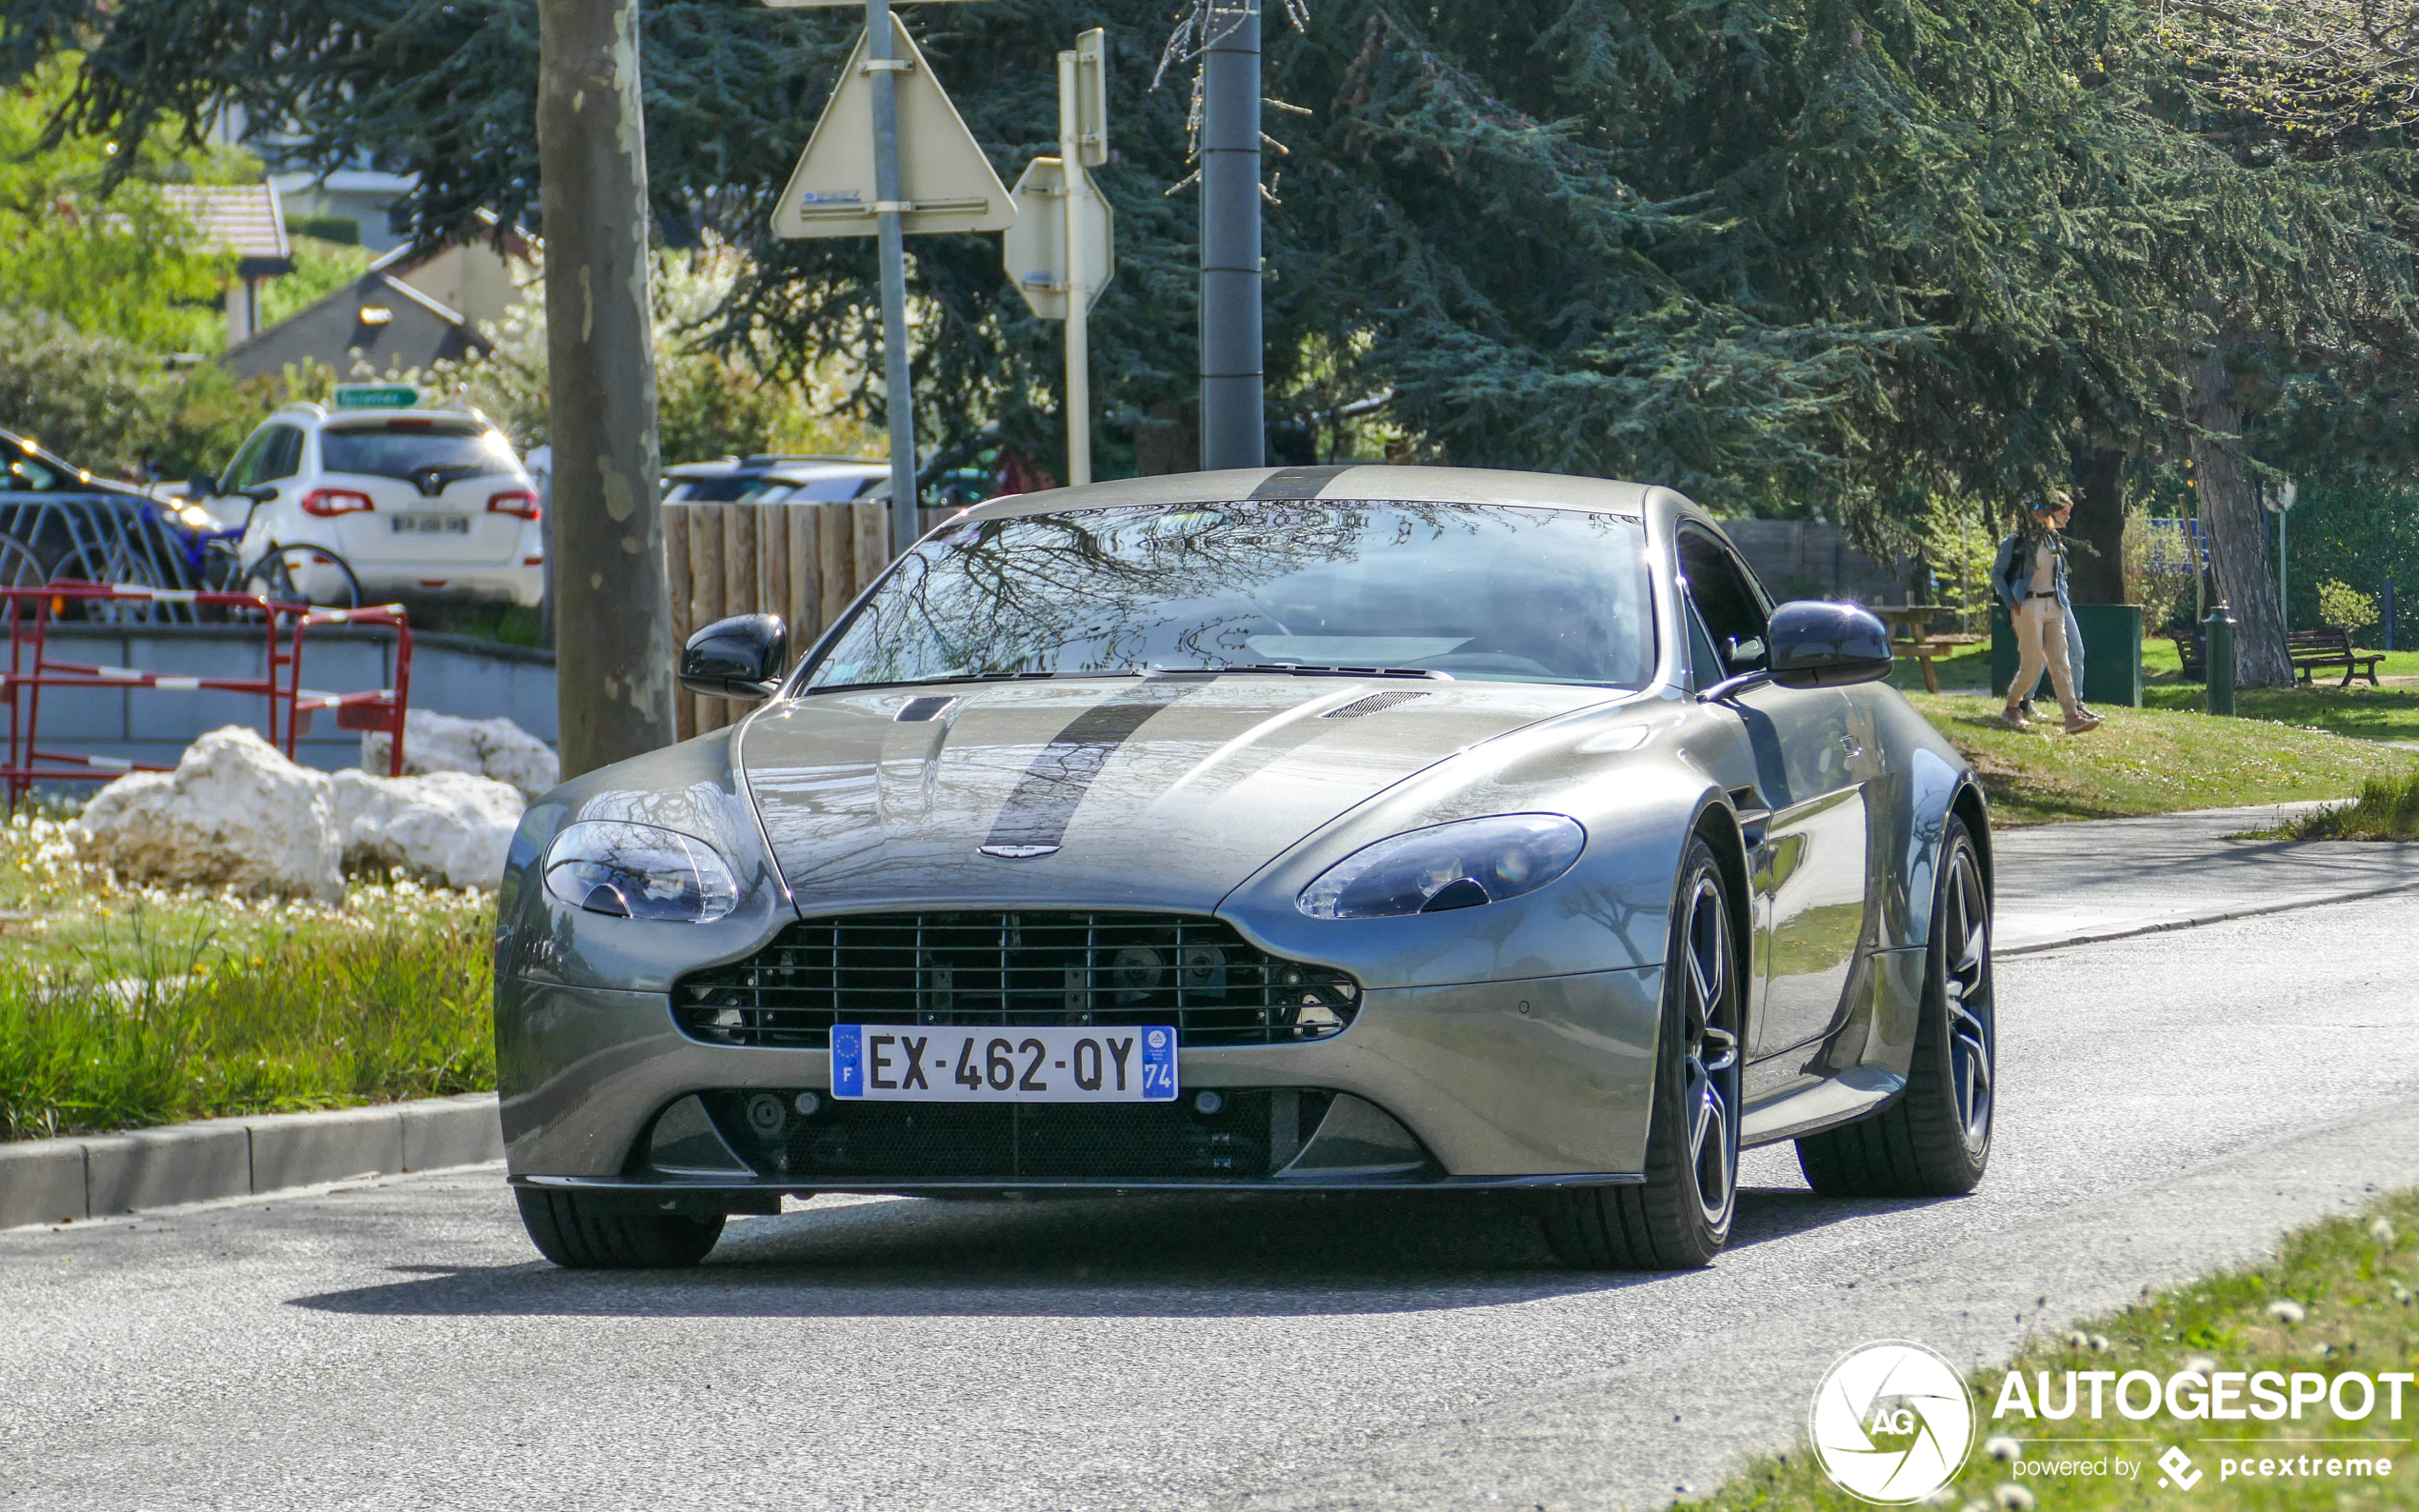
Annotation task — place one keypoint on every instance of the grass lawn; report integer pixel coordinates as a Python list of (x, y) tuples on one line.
[(2152, 762), (123, 1006), (2338, 1298)]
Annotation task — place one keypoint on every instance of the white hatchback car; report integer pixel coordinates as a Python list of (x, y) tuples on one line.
[(414, 501)]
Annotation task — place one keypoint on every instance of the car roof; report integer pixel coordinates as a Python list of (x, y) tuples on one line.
[(310, 411), (1340, 480)]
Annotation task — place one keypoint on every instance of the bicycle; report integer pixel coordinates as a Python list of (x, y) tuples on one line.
[(283, 574)]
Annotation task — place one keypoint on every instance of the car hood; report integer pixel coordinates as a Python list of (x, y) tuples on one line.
[(1163, 792)]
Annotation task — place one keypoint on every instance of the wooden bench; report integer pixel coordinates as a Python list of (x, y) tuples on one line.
[(1924, 647), (2313, 650), (2191, 648)]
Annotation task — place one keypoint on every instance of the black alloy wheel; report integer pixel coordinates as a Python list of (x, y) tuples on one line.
[(1935, 1140), (1680, 1217), (585, 1231)]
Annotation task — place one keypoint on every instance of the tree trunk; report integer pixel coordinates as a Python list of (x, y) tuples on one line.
[(613, 657), (2230, 515), (2095, 568)]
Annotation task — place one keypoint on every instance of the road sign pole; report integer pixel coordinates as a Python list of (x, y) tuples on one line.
[(898, 385), (1079, 296), (1232, 433)]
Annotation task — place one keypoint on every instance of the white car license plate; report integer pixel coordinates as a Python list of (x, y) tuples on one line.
[(429, 524), (924, 1062)]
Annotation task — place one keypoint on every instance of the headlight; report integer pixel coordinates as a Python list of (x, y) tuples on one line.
[(1456, 866), (638, 872)]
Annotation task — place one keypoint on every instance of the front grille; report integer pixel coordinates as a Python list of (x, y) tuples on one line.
[(1028, 968), (1251, 1134)]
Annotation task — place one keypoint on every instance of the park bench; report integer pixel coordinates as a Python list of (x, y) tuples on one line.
[(1924, 647), (2313, 650)]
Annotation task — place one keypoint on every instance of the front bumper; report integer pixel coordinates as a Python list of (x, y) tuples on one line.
[(1543, 1081)]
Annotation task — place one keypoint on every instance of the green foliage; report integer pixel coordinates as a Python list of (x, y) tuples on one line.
[(2385, 811), (97, 401), (321, 268), (111, 259), (2344, 606), (1959, 542), (211, 411), (2360, 528)]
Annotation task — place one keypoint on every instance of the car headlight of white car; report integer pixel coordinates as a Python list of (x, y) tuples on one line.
[(639, 871), (1462, 865)]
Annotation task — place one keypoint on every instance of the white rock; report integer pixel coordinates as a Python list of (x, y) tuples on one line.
[(445, 827), (482, 747), (235, 813)]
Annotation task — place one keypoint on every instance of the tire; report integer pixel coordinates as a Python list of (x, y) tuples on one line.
[(581, 1232), (1680, 1217), (1935, 1140), (304, 574)]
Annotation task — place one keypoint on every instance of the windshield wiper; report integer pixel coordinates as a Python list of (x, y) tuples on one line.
[(1319, 669), (961, 677)]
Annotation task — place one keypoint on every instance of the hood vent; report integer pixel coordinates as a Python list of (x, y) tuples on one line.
[(1374, 704)]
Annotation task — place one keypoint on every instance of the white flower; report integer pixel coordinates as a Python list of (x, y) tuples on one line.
[(1944, 1496), (2100, 1345), (2381, 1230), (2288, 1309), (2202, 1366), (2002, 1448), (2014, 1499), (2078, 1339)]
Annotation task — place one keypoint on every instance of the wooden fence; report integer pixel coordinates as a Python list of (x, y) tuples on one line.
[(803, 561)]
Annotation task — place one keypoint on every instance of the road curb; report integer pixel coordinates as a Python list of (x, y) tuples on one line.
[(2196, 921), (101, 1175)]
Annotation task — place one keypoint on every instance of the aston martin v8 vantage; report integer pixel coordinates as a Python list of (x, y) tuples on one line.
[(1316, 829)]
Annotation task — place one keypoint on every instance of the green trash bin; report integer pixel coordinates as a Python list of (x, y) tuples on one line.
[(2111, 655)]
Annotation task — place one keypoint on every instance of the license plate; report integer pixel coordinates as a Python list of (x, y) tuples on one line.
[(429, 524), (919, 1063)]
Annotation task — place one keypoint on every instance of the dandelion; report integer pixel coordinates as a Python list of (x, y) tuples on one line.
[(2288, 1309), (2078, 1339), (2013, 1498), (2002, 1448), (2100, 1345), (2381, 1230)]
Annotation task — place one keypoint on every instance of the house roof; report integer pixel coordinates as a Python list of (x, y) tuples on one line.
[(246, 219), (374, 327)]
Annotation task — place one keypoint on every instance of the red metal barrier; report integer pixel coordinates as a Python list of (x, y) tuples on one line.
[(32, 611)]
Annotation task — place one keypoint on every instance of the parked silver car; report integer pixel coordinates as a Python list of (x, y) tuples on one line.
[(1322, 828)]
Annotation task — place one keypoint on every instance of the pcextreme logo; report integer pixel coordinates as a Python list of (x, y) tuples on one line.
[(1893, 1422)]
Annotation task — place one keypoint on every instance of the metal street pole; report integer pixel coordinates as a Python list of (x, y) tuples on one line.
[(899, 391), (1234, 433), (614, 655), (1079, 294)]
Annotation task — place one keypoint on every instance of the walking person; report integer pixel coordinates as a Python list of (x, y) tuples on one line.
[(2030, 576)]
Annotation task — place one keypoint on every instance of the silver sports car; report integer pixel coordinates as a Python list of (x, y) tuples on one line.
[(1317, 828)]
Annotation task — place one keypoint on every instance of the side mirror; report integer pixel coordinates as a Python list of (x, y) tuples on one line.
[(201, 485), (1822, 644), (740, 657)]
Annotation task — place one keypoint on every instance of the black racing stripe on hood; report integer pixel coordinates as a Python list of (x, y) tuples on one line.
[(1045, 797), (1299, 483)]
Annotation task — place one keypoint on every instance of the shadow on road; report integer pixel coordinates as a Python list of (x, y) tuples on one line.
[(1173, 1256)]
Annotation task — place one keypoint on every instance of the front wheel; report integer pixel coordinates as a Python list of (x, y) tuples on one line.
[(581, 1231), (1680, 1217), (1935, 1140)]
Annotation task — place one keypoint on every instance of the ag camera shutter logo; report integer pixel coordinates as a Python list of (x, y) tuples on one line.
[(1893, 1422)]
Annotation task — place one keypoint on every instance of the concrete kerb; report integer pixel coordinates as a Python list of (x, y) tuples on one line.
[(51, 1181)]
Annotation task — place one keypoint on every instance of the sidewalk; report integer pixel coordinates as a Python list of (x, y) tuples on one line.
[(2061, 884)]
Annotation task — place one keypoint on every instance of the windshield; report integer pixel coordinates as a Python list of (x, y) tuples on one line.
[(406, 449), (1479, 591)]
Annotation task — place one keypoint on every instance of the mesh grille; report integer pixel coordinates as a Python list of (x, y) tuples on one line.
[(977, 969), (1251, 1133), (1374, 704)]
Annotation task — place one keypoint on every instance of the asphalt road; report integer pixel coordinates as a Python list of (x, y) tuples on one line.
[(2169, 1103)]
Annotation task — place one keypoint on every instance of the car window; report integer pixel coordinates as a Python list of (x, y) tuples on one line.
[(245, 471), (1727, 596), (282, 458), (725, 488), (832, 490), (27, 474), (410, 449), (1490, 592), (1708, 666)]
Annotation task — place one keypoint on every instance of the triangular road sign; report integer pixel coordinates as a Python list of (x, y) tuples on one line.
[(945, 182)]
